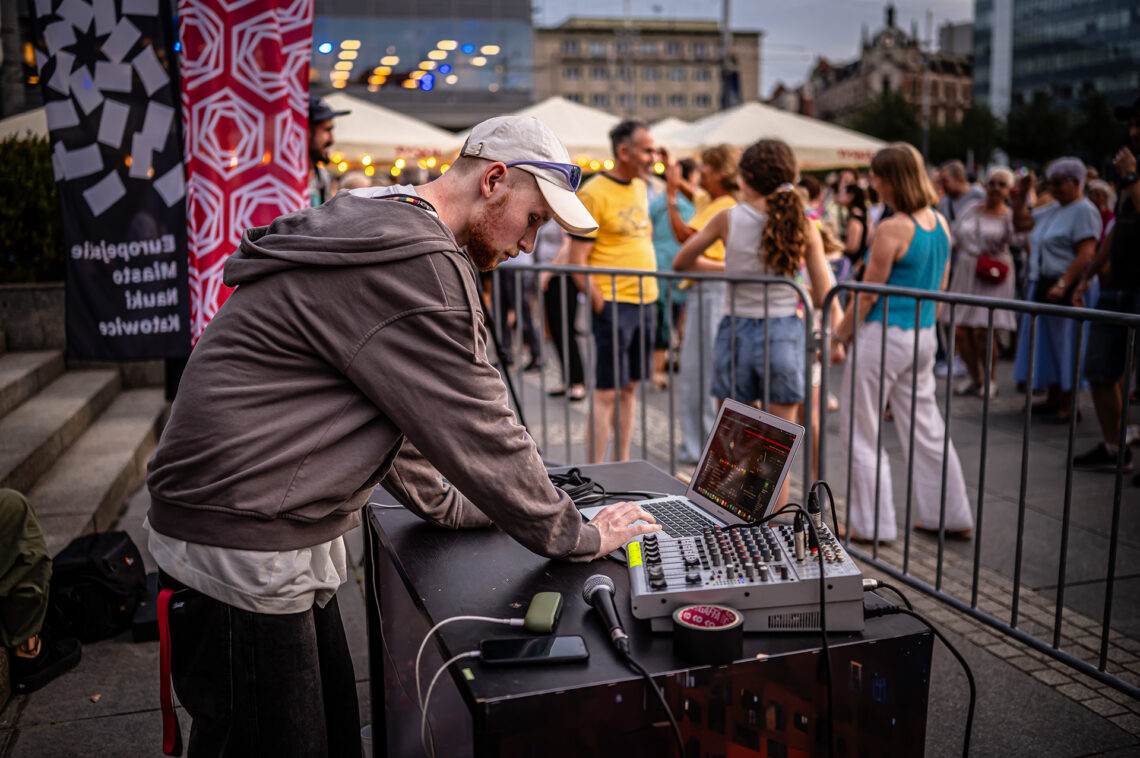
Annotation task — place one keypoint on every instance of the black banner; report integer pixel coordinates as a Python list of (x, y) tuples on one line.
[(111, 92)]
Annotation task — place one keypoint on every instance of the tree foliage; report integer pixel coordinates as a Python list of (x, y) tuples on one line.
[(30, 235), (891, 118)]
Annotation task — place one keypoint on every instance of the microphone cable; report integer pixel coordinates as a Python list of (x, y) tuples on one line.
[(633, 664)]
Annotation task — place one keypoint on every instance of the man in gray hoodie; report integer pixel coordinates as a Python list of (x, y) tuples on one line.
[(353, 353)]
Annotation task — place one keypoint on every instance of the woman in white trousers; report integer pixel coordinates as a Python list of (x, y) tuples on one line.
[(911, 249)]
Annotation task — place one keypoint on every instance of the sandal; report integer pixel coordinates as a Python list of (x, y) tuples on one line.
[(963, 535), (577, 393)]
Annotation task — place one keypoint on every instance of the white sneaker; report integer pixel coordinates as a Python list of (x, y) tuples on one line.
[(960, 368), (940, 368)]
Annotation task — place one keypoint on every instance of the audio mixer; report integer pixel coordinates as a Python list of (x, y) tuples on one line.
[(755, 569)]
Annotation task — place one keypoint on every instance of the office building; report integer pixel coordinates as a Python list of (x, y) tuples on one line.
[(649, 69), (1063, 49)]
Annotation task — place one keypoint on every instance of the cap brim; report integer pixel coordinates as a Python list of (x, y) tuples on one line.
[(568, 210)]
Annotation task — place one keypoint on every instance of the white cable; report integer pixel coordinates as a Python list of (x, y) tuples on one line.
[(423, 707), (419, 655)]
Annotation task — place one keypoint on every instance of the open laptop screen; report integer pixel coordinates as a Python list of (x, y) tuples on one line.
[(743, 464)]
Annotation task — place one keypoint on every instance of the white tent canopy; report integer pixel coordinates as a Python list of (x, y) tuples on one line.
[(583, 130), (671, 132), (817, 144), (19, 125), (384, 134)]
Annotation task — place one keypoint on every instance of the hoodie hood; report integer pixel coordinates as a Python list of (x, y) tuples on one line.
[(349, 230)]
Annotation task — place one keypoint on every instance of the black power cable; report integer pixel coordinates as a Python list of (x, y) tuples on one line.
[(870, 584)]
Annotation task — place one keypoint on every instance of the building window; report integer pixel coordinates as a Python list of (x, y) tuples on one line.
[(676, 101), (700, 50), (571, 73), (651, 74), (702, 101), (625, 100), (625, 73), (648, 48), (600, 100), (651, 101), (569, 47), (623, 48), (599, 73), (674, 49), (676, 74), (934, 89), (574, 97), (597, 48), (702, 75)]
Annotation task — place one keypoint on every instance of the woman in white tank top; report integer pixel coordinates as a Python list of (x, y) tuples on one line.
[(760, 342)]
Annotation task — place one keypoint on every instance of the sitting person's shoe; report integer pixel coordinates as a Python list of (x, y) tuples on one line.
[(1101, 459), (533, 365), (55, 657)]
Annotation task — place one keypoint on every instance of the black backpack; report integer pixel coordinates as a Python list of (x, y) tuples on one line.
[(97, 583)]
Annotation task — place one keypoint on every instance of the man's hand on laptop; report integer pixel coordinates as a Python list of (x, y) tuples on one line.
[(620, 523)]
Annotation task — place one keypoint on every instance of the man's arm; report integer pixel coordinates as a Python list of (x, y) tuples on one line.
[(436, 387), (579, 256), (1125, 165), (1022, 216), (1096, 266)]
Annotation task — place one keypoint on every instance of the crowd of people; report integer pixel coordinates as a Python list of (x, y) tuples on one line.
[(1008, 235)]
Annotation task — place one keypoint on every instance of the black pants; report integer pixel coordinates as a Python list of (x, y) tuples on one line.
[(262, 684), (562, 318)]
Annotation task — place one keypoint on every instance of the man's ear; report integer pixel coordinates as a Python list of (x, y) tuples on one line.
[(494, 176)]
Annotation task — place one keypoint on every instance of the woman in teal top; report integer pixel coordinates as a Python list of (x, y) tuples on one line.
[(911, 249)]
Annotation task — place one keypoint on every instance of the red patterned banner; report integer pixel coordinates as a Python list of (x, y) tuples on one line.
[(245, 80)]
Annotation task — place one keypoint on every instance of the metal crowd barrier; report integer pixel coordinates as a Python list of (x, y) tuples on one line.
[(696, 294), (909, 571), (970, 606)]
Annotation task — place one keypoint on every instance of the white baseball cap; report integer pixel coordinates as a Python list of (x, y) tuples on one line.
[(525, 142)]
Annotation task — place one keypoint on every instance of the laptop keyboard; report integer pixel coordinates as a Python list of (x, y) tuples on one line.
[(676, 518)]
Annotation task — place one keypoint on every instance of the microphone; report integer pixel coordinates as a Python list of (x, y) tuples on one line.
[(599, 592)]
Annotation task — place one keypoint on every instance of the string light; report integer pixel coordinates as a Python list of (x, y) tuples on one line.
[(489, 50), (437, 55), (351, 44), (390, 60), (447, 44)]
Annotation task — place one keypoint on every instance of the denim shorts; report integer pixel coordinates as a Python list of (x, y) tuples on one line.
[(632, 355), (1104, 357), (785, 378)]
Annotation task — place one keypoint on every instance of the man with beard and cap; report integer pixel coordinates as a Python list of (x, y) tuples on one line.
[(321, 117), (352, 353), (1120, 292)]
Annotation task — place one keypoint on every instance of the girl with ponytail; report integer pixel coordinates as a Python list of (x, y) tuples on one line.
[(768, 234)]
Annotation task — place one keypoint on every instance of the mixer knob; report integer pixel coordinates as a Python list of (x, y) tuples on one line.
[(730, 572), (784, 572), (749, 571), (658, 584), (693, 577), (764, 573), (656, 572), (691, 560)]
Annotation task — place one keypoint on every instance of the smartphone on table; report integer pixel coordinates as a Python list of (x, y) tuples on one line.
[(524, 651)]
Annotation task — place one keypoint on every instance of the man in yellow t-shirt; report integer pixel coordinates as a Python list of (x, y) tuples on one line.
[(624, 306)]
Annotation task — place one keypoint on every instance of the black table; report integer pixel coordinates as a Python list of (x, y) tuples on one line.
[(773, 700)]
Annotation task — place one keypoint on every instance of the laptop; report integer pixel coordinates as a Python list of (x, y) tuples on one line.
[(738, 477)]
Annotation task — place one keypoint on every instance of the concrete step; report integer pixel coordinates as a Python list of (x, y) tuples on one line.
[(88, 487), (36, 434), (26, 373)]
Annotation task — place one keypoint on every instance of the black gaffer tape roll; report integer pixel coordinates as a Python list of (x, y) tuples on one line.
[(708, 633)]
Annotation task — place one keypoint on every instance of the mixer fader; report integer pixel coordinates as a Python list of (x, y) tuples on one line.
[(754, 569)]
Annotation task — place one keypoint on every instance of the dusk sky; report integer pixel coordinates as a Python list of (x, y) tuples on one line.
[(795, 32)]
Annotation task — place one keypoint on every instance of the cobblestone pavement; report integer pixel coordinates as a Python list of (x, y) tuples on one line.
[(1080, 627)]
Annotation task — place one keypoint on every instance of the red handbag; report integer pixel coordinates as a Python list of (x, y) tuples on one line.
[(991, 270)]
